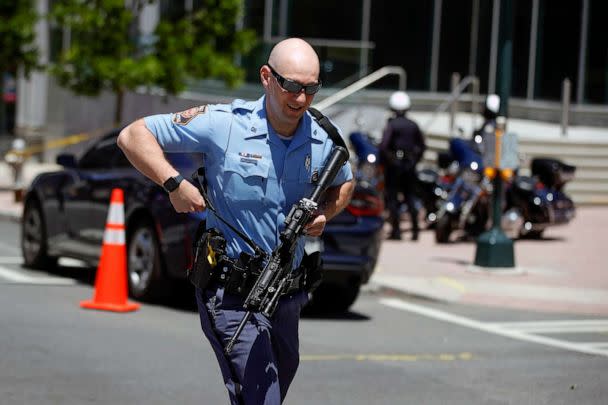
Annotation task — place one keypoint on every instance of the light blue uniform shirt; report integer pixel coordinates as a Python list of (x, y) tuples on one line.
[(253, 177)]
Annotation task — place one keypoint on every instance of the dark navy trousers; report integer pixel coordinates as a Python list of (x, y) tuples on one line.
[(264, 360)]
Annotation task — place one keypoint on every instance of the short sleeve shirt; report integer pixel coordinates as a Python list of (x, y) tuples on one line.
[(253, 177)]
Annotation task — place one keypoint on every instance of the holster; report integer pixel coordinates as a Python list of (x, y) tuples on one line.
[(209, 246), (312, 269)]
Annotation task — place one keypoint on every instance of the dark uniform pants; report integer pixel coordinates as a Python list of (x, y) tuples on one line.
[(401, 180), (265, 358)]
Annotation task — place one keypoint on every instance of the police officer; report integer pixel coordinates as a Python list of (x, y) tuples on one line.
[(490, 112), (401, 148), (261, 157)]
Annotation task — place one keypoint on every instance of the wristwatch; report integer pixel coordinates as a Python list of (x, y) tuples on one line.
[(172, 183)]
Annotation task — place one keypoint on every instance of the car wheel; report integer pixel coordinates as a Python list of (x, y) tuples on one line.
[(333, 298), (144, 262), (34, 238), (443, 229)]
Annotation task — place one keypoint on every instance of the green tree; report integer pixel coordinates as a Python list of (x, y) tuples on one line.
[(17, 49), (105, 51)]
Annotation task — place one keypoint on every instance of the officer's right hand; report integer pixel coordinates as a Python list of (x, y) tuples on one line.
[(187, 198)]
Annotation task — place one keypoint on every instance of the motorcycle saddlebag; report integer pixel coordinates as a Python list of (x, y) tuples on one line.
[(552, 172)]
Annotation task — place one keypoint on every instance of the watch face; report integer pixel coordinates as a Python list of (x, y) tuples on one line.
[(172, 183)]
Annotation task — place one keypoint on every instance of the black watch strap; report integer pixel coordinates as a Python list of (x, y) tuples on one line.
[(172, 183)]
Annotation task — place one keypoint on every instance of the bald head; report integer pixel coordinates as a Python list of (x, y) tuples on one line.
[(296, 56)]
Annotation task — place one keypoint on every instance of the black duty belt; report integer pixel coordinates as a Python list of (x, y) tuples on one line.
[(238, 281)]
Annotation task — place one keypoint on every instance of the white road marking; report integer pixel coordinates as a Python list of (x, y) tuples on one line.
[(11, 259), (492, 328), (20, 278), (563, 326), (596, 344)]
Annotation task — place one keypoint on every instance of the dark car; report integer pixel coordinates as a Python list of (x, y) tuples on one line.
[(65, 214)]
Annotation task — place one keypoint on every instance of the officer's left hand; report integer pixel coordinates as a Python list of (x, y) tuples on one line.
[(316, 226)]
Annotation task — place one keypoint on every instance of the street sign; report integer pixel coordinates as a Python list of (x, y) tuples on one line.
[(507, 157)]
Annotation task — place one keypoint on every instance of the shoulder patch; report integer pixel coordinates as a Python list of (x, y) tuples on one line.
[(184, 117)]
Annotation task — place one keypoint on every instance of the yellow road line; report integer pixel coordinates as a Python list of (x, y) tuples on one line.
[(452, 283), (388, 357)]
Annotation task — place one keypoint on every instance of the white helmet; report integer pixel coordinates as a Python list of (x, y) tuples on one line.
[(399, 101), (493, 103)]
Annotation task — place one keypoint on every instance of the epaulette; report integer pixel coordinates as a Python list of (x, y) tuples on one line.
[(239, 104)]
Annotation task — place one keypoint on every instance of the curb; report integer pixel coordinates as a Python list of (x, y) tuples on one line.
[(10, 216), (376, 288)]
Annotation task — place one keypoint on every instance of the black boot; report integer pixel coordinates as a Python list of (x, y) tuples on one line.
[(395, 234)]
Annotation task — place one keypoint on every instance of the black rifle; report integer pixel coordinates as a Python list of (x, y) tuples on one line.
[(276, 275)]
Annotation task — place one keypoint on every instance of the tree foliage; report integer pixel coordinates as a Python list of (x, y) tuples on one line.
[(17, 48), (17, 34), (202, 45), (105, 52)]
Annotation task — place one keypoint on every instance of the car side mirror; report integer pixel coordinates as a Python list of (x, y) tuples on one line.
[(66, 160)]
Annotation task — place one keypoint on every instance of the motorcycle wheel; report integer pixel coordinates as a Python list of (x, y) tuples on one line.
[(443, 229)]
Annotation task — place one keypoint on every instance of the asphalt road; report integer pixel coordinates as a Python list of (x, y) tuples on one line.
[(387, 350)]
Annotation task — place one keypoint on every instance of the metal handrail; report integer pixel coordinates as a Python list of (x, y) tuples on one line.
[(362, 83), (454, 96)]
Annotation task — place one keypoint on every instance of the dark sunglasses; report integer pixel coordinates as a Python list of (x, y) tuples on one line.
[(294, 87)]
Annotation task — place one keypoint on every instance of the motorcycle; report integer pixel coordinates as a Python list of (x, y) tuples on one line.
[(430, 185), (536, 202), (369, 172), (467, 204)]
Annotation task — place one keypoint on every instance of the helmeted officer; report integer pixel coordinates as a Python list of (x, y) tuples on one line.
[(490, 112), (261, 157), (401, 149)]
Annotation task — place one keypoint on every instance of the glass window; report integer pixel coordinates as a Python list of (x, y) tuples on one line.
[(333, 19), (484, 44), (172, 10), (522, 20), (596, 86), (402, 32), (557, 47), (105, 155), (253, 16), (454, 47)]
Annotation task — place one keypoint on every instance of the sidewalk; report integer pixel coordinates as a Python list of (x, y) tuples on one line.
[(564, 272)]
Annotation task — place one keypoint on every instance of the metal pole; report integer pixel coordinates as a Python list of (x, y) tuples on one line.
[(474, 35), (582, 53), (566, 87), (475, 101), (506, 56), (494, 47), (363, 55), (436, 39), (494, 248), (454, 107), (268, 21), (532, 51), (283, 18)]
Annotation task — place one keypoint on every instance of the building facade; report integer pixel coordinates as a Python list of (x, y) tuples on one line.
[(553, 40)]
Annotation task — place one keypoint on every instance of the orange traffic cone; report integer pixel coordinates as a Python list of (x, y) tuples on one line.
[(111, 288)]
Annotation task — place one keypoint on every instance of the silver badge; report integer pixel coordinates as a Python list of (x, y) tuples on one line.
[(307, 163)]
